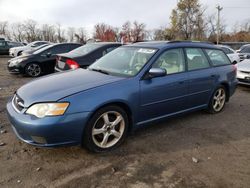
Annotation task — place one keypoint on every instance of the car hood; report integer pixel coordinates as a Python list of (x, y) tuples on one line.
[(244, 65), (60, 85), (25, 56)]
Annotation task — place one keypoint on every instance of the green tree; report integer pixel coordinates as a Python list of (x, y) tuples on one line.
[(186, 21)]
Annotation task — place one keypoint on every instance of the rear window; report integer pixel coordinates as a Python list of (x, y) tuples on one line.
[(217, 57), (87, 48)]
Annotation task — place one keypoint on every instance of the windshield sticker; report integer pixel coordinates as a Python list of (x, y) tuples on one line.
[(146, 51)]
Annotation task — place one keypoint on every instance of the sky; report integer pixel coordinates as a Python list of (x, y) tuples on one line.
[(87, 13)]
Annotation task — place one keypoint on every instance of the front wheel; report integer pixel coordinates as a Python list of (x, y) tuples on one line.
[(218, 100), (106, 130), (33, 70)]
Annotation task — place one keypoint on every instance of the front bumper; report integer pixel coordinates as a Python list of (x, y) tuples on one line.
[(243, 77), (14, 69), (48, 131)]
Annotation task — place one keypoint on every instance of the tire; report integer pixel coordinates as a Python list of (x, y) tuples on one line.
[(106, 130), (33, 70), (218, 100)]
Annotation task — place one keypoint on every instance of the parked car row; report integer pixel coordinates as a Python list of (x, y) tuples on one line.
[(48, 58)]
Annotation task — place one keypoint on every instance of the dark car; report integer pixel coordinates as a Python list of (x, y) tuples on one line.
[(41, 61), (131, 86), (32, 50), (6, 45), (84, 56)]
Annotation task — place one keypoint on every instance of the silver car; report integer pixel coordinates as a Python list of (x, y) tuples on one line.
[(243, 72)]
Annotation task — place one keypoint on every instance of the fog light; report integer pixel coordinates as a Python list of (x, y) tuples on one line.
[(39, 140)]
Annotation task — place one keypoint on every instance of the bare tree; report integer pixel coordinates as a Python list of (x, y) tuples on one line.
[(71, 34), (4, 30), (18, 32), (48, 33), (81, 35), (32, 32), (60, 33)]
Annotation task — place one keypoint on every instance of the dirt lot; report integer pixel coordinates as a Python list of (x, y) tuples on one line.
[(155, 156)]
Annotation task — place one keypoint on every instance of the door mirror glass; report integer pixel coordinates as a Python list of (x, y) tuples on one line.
[(156, 72)]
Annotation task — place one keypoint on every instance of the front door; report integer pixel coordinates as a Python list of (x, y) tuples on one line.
[(162, 96)]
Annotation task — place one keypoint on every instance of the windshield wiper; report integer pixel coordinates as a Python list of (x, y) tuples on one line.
[(99, 70)]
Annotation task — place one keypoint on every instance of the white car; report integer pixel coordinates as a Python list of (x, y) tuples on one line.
[(16, 51), (232, 54), (243, 72)]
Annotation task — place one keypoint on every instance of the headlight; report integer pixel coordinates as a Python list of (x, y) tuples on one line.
[(47, 109), (15, 62)]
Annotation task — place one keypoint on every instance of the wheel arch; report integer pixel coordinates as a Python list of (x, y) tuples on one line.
[(120, 104), (226, 85)]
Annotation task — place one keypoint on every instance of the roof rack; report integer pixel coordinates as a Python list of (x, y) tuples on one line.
[(176, 41)]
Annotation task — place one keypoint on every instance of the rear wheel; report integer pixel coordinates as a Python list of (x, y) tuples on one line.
[(33, 70), (218, 100), (106, 130)]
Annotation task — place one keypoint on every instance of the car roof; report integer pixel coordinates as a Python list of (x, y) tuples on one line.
[(105, 43), (174, 44)]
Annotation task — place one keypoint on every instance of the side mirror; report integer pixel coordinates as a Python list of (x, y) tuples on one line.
[(156, 72)]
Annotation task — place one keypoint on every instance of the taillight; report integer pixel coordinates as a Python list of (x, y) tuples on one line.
[(72, 64)]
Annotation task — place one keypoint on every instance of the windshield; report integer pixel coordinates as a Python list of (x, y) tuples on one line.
[(123, 61), (83, 50)]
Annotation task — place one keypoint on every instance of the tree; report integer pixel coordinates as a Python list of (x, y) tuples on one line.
[(104, 32), (48, 33), (71, 34), (133, 32), (60, 33), (18, 32), (212, 29), (187, 21), (81, 35), (31, 30)]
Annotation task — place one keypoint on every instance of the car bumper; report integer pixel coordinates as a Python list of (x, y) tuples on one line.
[(49, 131), (243, 78)]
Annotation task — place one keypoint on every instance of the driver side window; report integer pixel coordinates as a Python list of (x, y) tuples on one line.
[(172, 61)]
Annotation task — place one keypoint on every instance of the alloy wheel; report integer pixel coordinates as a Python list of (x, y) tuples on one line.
[(219, 99), (108, 129), (33, 70)]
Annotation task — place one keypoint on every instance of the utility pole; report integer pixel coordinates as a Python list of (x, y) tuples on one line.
[(219, 8)]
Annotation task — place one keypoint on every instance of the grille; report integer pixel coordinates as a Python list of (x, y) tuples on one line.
[(18, 103)]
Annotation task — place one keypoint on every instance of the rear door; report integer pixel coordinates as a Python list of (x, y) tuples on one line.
[(201, 77), (166, 95)]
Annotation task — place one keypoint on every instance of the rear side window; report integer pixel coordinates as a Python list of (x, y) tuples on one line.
[(196, 59), (217, 57)]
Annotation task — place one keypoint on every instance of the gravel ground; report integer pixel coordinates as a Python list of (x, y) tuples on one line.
[(194, 150)]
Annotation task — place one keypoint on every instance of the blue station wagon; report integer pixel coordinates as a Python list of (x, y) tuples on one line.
[(131, 86)]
